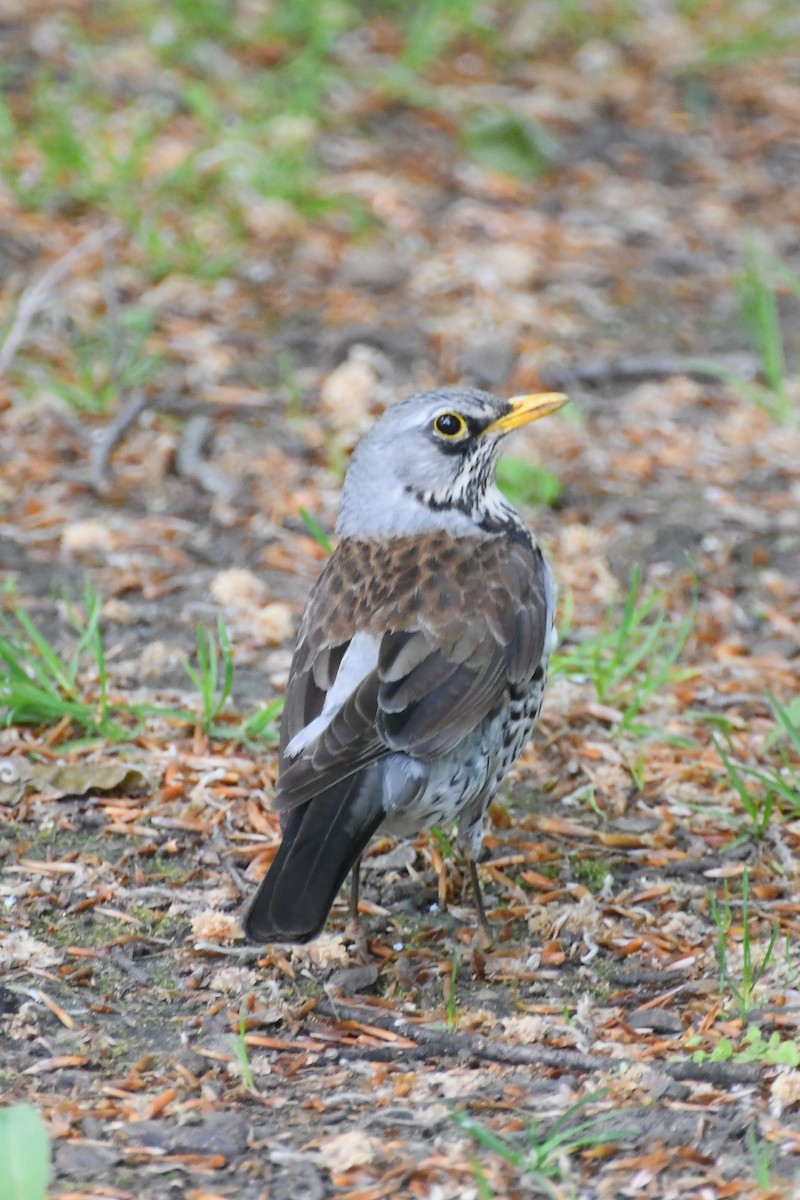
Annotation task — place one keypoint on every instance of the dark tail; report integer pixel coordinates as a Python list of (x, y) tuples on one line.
[(321, 842)]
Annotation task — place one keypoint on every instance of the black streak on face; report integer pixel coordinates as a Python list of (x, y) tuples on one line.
[(475, 427)]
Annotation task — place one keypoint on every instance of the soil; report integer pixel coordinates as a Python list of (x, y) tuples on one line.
[(128, 992)]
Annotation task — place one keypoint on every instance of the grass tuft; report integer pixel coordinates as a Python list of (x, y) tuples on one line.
[(779, 785), (213, 677), (40, 687), (741, 985), (239, 1044), (543, 1162), (761, 277), (633, 656)]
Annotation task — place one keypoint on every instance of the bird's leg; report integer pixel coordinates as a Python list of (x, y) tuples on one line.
[(354, 929), (470, 839), (355, 888), (483, 920)]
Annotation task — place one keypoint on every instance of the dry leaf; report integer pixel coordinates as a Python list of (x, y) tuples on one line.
[(53, 781), (350, 1149), (238, 588), (215, 927), (20, 949)]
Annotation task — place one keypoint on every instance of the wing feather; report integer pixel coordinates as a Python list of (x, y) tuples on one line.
[(453, 623)]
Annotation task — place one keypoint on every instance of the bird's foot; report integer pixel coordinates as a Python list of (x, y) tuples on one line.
[(484, 938), (356, 935)]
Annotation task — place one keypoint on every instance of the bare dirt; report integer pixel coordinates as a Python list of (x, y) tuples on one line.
[(126, 979)]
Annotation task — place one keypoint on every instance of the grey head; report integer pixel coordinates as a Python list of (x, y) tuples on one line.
[(429, 464)]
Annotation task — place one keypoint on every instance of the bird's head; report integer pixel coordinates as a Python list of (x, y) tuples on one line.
[(429, 463)]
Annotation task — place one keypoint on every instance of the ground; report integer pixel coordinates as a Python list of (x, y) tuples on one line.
[(230, 235)]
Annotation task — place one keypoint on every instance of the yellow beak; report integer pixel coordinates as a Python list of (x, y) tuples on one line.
[(527, 408)]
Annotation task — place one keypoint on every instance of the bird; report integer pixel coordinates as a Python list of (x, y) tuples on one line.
[(421, 658)]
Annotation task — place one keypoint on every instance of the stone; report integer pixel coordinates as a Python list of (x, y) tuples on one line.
[(373, 268), (85, 1160)]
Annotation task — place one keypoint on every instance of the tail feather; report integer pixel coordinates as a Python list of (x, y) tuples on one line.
[(321, 842)]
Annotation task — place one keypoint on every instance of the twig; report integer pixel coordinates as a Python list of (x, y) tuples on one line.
[(720, 1074), (227, 858), (102, 449), (189, 461), (35, 297), (646, 978), (599, 371), (441, 1044), (246, 954), (379, 1054), (132, 406), (783, 854)]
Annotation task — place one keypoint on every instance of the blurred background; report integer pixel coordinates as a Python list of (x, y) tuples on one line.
[(233, 230)]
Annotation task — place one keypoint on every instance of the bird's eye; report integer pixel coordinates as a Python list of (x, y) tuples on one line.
[(450, 425)]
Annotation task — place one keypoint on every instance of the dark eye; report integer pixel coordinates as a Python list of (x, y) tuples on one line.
[(450, 425)]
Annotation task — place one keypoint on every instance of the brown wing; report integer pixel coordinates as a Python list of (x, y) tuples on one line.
[(445, 623)]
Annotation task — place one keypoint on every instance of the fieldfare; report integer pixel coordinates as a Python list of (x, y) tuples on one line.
[(421, 659)]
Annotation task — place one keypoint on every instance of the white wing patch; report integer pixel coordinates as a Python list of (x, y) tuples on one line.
[(359, 659), (550, 600)]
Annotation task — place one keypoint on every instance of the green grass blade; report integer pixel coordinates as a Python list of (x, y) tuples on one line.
[(227, 661), (748, 801), (482, 1184), (315, 529), (489, 1140), (561, 1120), (24, 1154), (792, 730), (63, 675)]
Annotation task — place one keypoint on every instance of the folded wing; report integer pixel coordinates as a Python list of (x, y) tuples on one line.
[(407, 653), (403, 650)]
